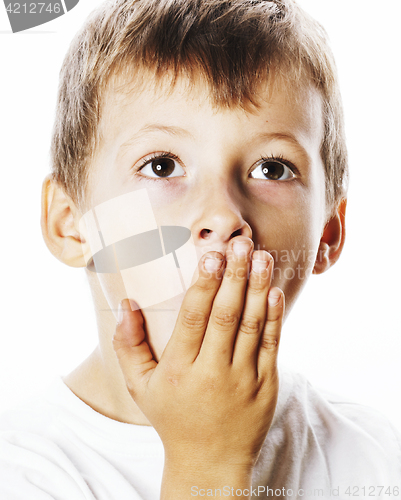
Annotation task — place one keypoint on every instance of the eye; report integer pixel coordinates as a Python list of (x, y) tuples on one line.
[(273, 170), (162, 166)]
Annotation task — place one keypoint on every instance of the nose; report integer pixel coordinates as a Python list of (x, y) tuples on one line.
[(220, 219)]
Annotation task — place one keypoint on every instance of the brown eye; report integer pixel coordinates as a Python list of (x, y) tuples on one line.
[(272, 170), (163, 167)]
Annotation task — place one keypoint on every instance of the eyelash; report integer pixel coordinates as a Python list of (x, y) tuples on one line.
[(168, 154), (280, 158)]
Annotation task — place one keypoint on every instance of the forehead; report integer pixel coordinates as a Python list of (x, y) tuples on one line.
[(189, 103)]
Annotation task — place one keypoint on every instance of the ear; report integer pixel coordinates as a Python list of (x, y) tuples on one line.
[(60, 225), (332, 240)]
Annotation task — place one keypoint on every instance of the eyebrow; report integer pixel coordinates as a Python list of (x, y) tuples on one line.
[(285, 136), (156, 127), (181, 132)]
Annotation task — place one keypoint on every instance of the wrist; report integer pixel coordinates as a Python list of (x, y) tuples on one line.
[(195, 462), (185, 478)]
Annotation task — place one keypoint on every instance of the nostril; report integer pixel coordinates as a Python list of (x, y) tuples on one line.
[(205, 233), (238, 232)]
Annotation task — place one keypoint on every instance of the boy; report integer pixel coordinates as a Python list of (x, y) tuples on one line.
[(222, 119)]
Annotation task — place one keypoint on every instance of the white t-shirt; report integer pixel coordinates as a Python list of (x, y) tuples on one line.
[(59, 448)]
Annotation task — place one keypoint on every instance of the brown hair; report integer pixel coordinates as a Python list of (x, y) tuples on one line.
[(232, 44)]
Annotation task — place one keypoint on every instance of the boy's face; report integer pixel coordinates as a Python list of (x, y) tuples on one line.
[(222, 172)]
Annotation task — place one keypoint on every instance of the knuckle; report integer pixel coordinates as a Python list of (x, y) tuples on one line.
[(193, 319), (225, 317), (173, 373), (235, 275), (269, 342), (206, 284), (116, 342), (274, 317), (119, 344), (256, 284), (250, 325), (209, 382)]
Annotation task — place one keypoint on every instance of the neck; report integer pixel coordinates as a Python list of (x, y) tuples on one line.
[(104, 390)]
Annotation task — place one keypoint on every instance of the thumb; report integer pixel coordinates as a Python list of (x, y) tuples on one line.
[(133, 353)]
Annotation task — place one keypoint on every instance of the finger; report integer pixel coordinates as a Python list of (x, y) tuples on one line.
[(224, 319), (270, 339), (193, 317), (133, 352), (254, 314)]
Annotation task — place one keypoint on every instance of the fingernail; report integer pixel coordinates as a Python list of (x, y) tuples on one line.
[(241, 248), (120, 314), (212, 265), (274, 299), (134, 306), (258, 266)]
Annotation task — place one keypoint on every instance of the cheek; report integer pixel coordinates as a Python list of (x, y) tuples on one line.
[(280, 213), (286, 195), (286, 223), (166, 196), (292, 244)]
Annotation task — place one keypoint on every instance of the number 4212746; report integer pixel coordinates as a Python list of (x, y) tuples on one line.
[(33, 8)]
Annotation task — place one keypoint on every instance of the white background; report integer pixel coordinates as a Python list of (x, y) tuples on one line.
[(344, 333)]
